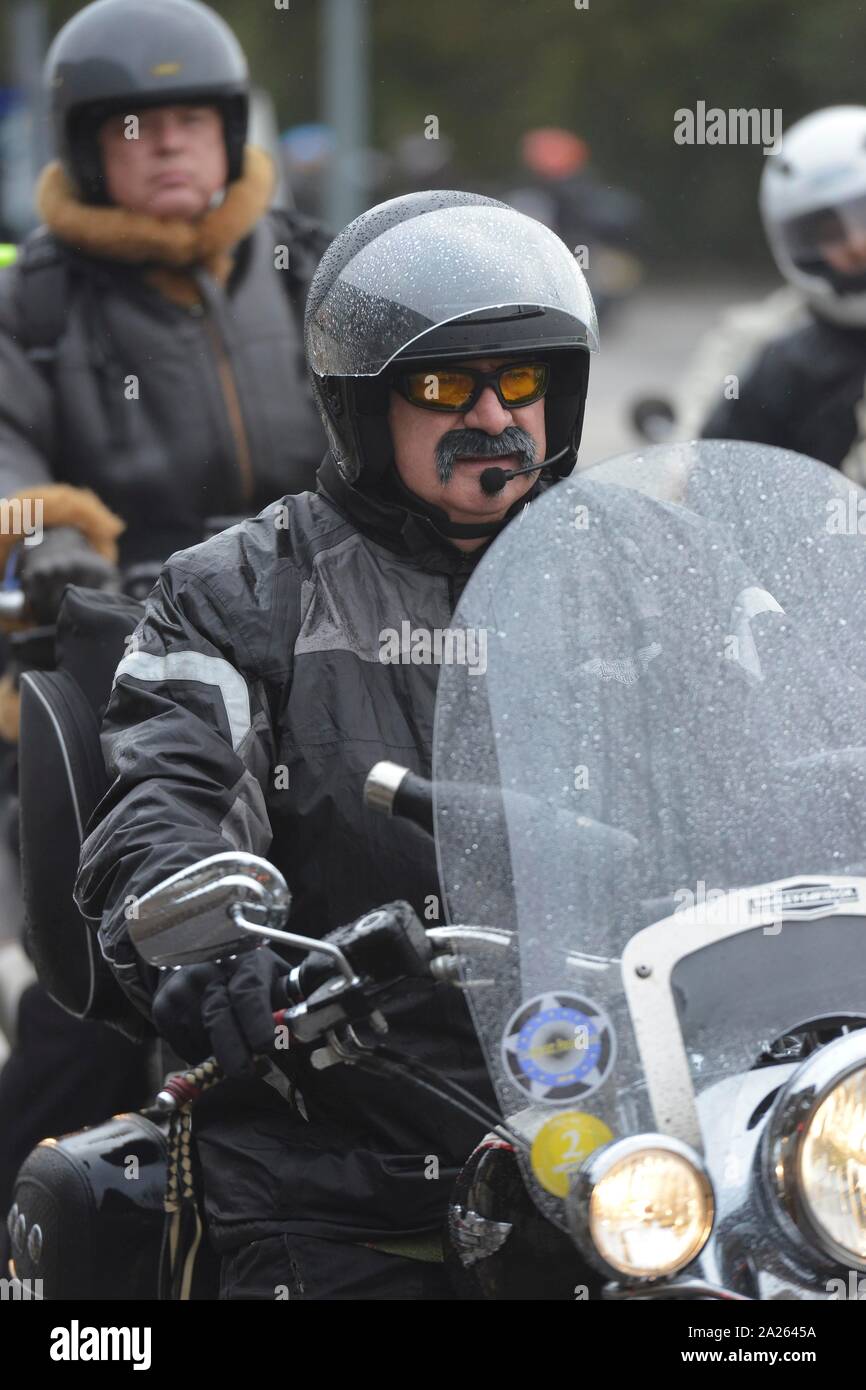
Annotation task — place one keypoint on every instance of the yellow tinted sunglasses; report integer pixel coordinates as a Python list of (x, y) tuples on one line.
[(458, 388)]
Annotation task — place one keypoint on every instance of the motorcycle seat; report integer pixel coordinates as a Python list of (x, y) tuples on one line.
[(62, 777)]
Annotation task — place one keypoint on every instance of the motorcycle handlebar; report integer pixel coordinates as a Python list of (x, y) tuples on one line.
[(182, 1088), (392, 790)]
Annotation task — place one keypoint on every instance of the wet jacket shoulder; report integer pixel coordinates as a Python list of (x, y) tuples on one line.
[(800, 394)]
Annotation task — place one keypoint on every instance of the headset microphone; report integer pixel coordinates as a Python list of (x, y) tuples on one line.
[(493, 480)]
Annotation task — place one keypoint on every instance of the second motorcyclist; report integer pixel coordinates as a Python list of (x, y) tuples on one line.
[(804, 388), (151, 362)]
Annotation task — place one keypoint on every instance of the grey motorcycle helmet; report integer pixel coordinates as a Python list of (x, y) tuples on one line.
[(442, 275), (120, 54)]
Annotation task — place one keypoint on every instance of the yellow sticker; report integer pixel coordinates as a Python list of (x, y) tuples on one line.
[(562, 1144), (166, 69)]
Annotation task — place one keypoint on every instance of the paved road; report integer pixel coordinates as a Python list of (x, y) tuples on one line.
[(645, 350)]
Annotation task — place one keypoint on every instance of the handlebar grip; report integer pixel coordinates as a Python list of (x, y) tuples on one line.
[(186, 1086), (392, 790)]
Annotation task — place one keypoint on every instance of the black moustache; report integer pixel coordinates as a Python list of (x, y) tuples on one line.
[(476, 444)]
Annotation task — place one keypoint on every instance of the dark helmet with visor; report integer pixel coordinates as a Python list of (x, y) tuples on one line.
[(434, 277), (121, 56)]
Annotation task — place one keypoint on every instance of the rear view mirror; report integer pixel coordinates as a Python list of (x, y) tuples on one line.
[(197, 914)]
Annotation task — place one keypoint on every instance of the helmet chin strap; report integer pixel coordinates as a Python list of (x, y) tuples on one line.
[(452, 530)]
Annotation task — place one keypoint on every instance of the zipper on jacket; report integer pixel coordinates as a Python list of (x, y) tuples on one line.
[(231, 398)]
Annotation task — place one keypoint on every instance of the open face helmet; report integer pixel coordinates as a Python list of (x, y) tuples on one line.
[(443, 276), (118, 56)]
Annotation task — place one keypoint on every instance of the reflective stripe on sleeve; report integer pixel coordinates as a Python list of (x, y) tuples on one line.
[(193, 666)]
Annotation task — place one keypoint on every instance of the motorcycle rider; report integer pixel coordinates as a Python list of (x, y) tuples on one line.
[(600, 222), (151, 376), (169, 385), (446, 334), (805, 389)]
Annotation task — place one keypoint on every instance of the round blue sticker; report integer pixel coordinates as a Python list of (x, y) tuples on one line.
[(558, 1047)]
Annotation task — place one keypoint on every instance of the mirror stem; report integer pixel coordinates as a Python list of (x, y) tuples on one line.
[(303, 943)]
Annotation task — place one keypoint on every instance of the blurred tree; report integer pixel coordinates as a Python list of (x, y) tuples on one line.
[(616, 72)]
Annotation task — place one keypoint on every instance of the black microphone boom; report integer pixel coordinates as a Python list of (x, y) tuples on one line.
[(493, 479)]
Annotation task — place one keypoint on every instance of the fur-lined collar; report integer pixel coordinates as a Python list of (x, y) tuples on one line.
[(166, 245)]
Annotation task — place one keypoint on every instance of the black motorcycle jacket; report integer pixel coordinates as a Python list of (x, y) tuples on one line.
[(259, 690), (803, 393)]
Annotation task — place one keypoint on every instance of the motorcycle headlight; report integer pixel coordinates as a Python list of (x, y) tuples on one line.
[(817, 1149), (643, 1206)]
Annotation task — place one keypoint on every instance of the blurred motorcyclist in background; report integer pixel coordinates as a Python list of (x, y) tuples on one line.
[(804, 389), (733, 344), (151, 376), (598, 222), (307, 153)]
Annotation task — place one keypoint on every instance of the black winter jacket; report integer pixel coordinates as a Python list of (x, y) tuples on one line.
[(169, 414), (801, 394)]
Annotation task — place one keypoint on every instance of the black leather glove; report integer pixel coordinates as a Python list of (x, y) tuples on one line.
[(62, 557), (225, 1008)]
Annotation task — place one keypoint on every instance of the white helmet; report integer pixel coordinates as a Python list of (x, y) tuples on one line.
[(813, 197)]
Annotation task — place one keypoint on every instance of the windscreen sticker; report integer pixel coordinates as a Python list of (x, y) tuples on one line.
[(558, 1048), (561, 1145)]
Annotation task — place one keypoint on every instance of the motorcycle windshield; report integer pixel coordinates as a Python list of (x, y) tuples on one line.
[(664, 715)]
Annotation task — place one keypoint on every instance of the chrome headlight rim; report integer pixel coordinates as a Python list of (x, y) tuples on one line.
[(596, 1166), (795, 1108)]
